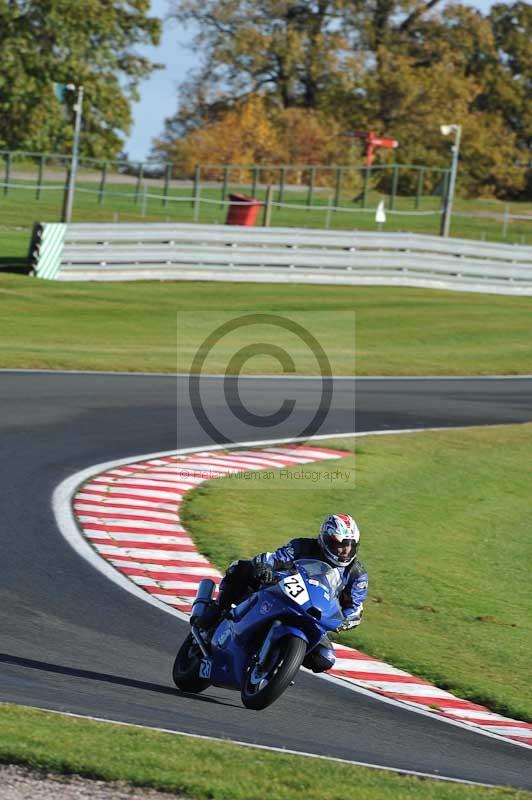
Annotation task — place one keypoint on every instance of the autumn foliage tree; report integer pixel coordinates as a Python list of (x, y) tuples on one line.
[(242, 135), (398, 67), (255, 132)]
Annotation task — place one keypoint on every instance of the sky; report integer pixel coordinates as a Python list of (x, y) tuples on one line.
[(159, 92)]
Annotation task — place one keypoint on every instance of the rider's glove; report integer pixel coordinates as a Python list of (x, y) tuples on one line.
[(352, 618), (262, 572)]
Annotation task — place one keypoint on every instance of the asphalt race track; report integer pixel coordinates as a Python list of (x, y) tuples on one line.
[(72, 640)]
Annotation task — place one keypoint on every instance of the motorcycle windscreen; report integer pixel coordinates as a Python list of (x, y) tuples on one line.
[(324, 584)]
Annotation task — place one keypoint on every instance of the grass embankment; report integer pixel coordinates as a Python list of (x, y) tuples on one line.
[(204, 770), (156, 326), (445, 520), (14, 245)]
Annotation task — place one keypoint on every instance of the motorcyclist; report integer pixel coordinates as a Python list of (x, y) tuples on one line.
[(337, 545)]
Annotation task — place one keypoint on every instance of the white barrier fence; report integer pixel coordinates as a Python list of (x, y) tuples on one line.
[(157, 251)]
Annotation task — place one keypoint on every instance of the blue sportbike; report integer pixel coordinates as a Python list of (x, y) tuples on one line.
[(259, 646)]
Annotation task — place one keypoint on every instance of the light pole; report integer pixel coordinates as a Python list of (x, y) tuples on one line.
[(449, 196), (71, 185)]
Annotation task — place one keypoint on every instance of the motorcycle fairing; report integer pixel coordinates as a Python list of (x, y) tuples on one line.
[(312, 610)]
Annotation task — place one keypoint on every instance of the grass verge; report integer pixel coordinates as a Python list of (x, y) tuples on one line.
[(445, 520), (14, 250), (156, 326), (21, 207), (201, 769)]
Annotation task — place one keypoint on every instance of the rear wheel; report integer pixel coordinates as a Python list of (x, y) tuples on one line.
[(186, 667), (262, 687)]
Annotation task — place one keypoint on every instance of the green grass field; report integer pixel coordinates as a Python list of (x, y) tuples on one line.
[(446, 538), (14, 245), (158, 326), (204, 770)]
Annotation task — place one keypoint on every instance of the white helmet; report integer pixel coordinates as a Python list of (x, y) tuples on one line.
[(335, 532)]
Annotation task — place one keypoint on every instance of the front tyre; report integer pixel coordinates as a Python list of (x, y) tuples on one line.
[(260, 689), (186, 667)]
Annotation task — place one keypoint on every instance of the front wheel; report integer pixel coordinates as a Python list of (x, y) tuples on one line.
[(260, 688), (186, 667)]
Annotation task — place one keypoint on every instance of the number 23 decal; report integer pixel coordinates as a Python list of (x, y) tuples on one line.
[(296, 590), (293, 586)]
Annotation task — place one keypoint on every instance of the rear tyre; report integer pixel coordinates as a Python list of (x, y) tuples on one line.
[(260, 689), (186, 667)]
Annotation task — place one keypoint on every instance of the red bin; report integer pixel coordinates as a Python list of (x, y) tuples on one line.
[(243, 210)]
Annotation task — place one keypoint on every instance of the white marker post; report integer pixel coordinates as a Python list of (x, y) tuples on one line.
[(380, 214)]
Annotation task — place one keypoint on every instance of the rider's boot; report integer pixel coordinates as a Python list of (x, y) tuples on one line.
[(219, 608)]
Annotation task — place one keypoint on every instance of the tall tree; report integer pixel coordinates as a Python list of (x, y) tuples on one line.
[(398, 67), (512, 29), (89, 42), (293, 50)]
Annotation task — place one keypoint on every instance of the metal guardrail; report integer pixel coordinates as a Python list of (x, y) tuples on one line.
[(280, 255)]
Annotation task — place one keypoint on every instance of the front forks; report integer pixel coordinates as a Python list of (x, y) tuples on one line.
[(264, 652), (198, 638)]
